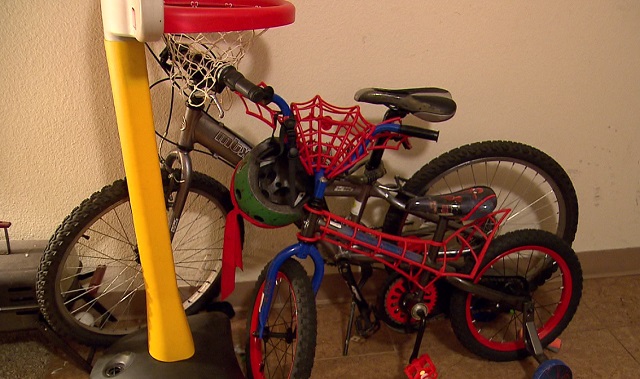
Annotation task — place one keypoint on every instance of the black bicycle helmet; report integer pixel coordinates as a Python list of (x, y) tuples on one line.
[(262, 185)]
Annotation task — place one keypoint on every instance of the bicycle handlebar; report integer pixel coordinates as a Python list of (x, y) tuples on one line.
[(408, 130), (414, 131), (233, 79)]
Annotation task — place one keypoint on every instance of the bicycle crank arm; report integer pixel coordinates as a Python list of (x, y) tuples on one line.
[(517, 302)]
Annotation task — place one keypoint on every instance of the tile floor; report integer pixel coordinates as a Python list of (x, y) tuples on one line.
[(603, 341)]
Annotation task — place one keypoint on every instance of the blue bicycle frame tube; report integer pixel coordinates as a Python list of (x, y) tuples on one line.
[(388, 127), (282, 104), (301, 250), (320, 185), (394, 128)]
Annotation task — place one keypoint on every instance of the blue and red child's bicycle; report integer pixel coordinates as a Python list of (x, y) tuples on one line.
[(512, 294)]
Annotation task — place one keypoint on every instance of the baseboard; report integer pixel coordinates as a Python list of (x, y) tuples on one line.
[(23, 246), (608, 263), (595, 264)]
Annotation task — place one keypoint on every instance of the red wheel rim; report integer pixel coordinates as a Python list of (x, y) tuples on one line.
[(549, 325), (181, 16)]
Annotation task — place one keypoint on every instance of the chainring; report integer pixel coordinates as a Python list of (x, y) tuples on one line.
[(394, 303)]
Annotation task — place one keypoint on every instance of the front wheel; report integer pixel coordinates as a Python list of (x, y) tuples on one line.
[(288, 346), (522, 263), (89, 284)]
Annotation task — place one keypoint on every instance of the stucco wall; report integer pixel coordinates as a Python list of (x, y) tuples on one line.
[(562, 76)]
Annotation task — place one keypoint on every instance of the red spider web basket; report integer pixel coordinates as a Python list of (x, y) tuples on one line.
[(333, 139)]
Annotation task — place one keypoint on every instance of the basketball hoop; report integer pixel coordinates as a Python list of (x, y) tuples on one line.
[(127, 23), (204, 36), (206, 16)]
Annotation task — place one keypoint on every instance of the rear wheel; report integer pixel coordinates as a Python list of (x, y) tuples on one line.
[(529, 182), (522, 263), (287, 348), (90, 284)]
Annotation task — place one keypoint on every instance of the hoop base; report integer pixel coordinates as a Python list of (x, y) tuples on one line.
[(214, 357)]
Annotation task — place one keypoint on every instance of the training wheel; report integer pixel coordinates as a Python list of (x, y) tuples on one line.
[(553, 369)]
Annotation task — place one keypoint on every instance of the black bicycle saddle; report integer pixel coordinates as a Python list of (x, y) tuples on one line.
[(429, 104)]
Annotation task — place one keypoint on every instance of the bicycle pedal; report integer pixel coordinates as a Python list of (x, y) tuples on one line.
[(555, 345), (421, 368)]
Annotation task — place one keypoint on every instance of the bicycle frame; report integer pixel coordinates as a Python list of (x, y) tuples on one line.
[(455, 252), (199, 127), (422, 267)]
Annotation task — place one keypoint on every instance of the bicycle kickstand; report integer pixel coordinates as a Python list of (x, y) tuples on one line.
[(366, 323)]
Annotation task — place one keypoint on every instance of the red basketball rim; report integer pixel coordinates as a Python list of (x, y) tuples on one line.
[(208, 16)]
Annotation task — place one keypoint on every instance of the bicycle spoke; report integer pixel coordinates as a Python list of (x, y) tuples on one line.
[(529, 206), (126, 242), (129, 297), (197, 251), (495, 173), (119, 219), (193, 236), (190, 224), (104, 255), (108, 224), (106, 290)]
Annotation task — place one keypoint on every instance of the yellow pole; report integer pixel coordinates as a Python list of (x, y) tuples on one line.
[(170, 338)]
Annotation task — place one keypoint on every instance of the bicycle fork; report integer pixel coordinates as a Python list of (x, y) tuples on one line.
[(183, 183), (367, 323), (301, 250)]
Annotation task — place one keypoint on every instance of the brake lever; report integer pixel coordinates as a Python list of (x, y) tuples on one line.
[(214, 97)]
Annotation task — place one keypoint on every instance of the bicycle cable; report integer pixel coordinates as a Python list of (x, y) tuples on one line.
[(163, 137)]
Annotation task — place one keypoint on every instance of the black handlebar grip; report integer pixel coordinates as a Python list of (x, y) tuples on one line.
[(237, 82), (414, 131)]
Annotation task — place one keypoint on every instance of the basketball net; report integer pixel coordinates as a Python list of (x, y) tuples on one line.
[(196, 60)]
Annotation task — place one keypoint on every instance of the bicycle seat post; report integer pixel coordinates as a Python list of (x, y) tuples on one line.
[(438, 236), (375, 158)]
